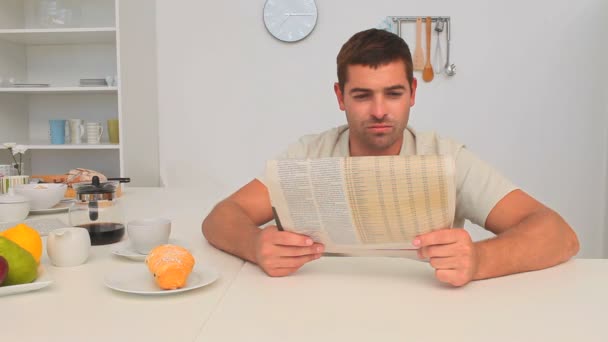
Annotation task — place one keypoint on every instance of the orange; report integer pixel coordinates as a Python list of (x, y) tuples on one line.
[(27, 238)]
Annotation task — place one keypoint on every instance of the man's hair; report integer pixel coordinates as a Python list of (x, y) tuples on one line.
[(373, 48)]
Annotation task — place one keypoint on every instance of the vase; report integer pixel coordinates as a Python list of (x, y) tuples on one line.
[(6, 182)]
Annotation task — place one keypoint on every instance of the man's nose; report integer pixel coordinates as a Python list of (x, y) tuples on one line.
[(379, 107)]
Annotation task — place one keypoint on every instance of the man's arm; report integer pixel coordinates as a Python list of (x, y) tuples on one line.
[(530, 236), (232, 226)]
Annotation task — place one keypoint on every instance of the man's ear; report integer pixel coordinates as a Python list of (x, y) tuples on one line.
[(413, 92), (339, 95)]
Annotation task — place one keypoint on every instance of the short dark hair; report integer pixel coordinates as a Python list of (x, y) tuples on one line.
[(373, 48)]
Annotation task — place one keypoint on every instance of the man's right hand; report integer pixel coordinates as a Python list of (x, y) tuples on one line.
[(280, 253)]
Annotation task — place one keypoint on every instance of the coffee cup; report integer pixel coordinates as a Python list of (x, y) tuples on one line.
[(67, 247), (57, 131), (76, 130), (94, 132), (146, 234)]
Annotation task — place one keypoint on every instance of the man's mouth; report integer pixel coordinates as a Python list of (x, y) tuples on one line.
[(379, 128)]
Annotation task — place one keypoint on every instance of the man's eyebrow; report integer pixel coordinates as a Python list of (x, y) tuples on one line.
[(366, 90), (395, 87), (360, 90)]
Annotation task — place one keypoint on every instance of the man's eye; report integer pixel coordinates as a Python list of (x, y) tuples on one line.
[(395, 94), (361, 97)]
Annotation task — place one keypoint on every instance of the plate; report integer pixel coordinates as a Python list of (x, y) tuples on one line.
[(63, 205), (137, 279), (125, 250), (43, 280)]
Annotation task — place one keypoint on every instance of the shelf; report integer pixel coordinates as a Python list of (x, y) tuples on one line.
[(69, 147), (59, 90), (60, 36)]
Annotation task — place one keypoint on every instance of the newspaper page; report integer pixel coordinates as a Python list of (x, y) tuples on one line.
[(363, 205)]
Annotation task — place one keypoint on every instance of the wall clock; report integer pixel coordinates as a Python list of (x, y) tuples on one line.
[(290, 20)]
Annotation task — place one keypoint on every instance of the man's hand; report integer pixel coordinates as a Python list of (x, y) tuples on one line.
[(281, 253), (452, 254)]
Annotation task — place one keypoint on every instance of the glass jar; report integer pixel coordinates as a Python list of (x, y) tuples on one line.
[(98, 210)]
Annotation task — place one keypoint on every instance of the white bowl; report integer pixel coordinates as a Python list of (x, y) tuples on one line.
[(42, 196), (13, 207)]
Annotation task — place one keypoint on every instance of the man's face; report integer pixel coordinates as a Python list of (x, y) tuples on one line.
[(377, 104)]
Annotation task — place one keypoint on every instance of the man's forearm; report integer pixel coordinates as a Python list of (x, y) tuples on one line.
[(228, 228), (541, 240)]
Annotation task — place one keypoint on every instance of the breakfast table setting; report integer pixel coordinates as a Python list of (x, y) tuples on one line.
[(107, 292), (79, 303)]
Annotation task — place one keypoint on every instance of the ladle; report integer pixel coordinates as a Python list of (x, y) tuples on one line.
[(450, 69)]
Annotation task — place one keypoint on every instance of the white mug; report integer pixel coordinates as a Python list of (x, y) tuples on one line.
[(67, 247), (94, 132), (148, 233), (76, 129)]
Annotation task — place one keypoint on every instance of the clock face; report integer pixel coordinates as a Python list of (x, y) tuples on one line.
[(290, 20)]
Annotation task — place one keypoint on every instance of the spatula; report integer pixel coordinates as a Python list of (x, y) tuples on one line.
[(418, 56), (427, 73)]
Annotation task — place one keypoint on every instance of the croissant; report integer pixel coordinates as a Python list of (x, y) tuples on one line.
[(171, 265)]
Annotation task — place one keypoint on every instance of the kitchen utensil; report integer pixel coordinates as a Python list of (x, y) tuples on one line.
[(67, 247), (98, 210), (418, 54), (438, 58), (450, 69), (42, 196), (427, 73), (13, 207), (148, 233)]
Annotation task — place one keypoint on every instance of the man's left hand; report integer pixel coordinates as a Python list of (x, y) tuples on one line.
[(452, 254)]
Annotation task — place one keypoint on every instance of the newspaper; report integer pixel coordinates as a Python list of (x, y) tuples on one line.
[(363, 205)]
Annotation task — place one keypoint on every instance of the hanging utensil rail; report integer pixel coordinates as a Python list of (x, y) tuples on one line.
[(449, 68)]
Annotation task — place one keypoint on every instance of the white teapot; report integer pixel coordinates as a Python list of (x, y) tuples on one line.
[(68, 247)]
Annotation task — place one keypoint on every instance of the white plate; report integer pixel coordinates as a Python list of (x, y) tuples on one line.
[(43, 280), (63, 205), (137, 279), (126, 250)]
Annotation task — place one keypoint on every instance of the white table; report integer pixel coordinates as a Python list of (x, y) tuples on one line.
[(341, 299), (78, 306), (390, 299)]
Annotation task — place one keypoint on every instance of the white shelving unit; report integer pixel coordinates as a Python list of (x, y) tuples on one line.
[(60, 56)]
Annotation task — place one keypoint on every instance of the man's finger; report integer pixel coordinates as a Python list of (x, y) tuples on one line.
[(438, 251), (438, 237), (292, 239), (448, 263), (292, 251), (298, 261)]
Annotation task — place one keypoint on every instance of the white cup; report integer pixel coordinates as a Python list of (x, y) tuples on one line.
[(76, 129), (94, 132), (148, 233), (67, 247)]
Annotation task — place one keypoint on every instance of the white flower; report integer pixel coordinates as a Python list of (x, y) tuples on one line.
[(19, 149), (10, 144)]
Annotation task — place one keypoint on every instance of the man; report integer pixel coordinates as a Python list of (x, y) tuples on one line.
[(376, 89)]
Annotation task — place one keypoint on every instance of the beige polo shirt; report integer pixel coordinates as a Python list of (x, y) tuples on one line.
[(478, 186)]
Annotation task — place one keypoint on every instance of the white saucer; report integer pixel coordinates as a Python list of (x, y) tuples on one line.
[(63, 205), (125, 249), (43, 280), (137, 279)]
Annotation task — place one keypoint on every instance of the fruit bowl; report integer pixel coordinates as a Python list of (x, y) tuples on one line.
[(42, 196)]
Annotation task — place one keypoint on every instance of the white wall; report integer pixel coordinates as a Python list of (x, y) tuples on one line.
[(528, 96)]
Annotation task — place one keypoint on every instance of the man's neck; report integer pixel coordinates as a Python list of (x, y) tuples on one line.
[(359, 151)]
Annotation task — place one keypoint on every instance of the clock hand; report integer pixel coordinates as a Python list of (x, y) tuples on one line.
[(300, 14), (287, 15)]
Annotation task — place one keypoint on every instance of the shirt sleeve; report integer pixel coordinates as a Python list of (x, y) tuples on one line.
[(479, 187)]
